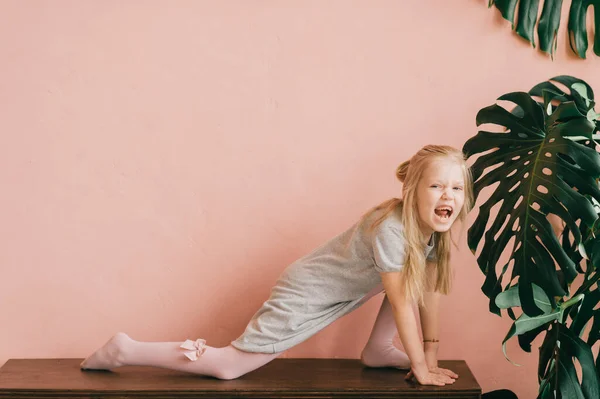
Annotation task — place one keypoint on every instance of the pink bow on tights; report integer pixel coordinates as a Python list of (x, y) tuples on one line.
[(195, 348)]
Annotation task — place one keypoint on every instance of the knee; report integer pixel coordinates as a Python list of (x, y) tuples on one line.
[(374, 354), (363, 360), (226, 375), (366, 357), (229, 374)]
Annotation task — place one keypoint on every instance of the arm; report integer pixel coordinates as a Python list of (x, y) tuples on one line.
[(406, 324), (429, 312)]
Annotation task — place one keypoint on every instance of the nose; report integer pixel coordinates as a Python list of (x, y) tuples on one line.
[(448, 194)]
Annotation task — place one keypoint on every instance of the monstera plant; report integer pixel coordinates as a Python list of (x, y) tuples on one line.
[(537, 232), (549, 22)]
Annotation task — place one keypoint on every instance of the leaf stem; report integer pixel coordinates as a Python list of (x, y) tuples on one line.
[(588, 283), (556, 355), (572, 301)]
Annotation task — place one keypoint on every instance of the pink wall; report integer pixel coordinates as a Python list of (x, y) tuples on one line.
[(162, 162)]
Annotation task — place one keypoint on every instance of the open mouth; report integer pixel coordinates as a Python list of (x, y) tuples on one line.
[(444, 212)]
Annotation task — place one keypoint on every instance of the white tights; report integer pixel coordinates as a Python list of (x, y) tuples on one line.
[(380, 350), (228, 362)]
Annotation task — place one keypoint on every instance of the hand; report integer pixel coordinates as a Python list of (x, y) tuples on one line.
[(439, 370), (435, 376)]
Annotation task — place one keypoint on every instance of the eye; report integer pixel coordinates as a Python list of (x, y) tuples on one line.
[(458, 188), (435, 186)]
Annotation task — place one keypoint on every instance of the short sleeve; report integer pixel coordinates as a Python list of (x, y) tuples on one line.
[(388, 248), (432, 255)]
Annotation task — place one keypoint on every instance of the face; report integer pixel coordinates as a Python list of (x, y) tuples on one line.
[(440, 195)]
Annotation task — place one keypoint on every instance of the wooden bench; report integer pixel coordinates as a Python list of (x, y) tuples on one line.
[(282, 378)]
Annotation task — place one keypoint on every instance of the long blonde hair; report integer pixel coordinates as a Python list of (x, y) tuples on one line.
[(410, 173)]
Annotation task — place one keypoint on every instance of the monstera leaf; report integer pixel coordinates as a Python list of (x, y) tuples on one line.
[(549, 22), (557, 369), (543, 163), (543, 170)]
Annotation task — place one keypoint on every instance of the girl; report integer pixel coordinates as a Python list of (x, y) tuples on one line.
[(401, 246)]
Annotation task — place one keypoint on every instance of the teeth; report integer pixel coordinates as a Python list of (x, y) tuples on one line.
[(444, 212)]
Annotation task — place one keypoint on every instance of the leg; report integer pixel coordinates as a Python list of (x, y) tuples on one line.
[(380, 350), (224, 363)]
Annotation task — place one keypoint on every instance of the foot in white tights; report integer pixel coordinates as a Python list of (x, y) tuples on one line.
[(380, 350), (110, 356), (388, 356)]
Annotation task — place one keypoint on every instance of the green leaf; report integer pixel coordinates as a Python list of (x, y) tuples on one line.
[(507, 9), (549, 22), (556, 369), (586, 313), (526, 323), (583, 92), (572, 346), (544, 162), (528, 11), (577, 26), (598, 364), (593, 248), (548, 26), (527, 16), (575, 252), (546, 391), (595, 330), (568, 385), (527, 338), (542, 171), (510, 298), (545, 369), (547, 86)]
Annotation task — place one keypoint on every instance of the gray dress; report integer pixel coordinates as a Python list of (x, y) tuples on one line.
[(328, 283)]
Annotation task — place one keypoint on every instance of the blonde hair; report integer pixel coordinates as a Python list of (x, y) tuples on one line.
[(410, 173)]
